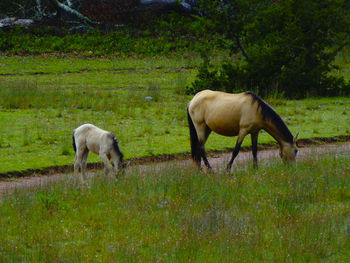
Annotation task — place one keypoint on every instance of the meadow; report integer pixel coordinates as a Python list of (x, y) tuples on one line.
[(43, 98), (179, 214)]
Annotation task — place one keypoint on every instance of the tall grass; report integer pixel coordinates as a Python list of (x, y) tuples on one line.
[(275, 214), (26, 95)]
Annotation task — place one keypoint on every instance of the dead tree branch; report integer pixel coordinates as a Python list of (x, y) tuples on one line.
[(65, 8)]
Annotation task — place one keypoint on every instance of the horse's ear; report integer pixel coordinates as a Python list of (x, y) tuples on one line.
[(296, 138)]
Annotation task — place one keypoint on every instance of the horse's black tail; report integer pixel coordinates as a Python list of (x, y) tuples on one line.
[(195, 147), (117, 150), (74, 145)]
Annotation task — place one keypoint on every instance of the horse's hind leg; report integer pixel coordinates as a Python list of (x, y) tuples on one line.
[(84, 162), (78, 163), (202, 137), (204, 156)]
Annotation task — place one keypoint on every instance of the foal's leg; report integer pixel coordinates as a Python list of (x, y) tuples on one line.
[(78, 163), (84, 163), (235, 152), (106, 162), (254, 137)]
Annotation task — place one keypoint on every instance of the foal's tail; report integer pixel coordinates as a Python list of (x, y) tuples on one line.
[(117, 150), (195, 147), (74, 145)]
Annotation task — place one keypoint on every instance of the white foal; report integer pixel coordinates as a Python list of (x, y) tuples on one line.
[(88, 137)]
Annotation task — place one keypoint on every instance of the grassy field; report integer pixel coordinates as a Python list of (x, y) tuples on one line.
[(43, 98), (177, 214)]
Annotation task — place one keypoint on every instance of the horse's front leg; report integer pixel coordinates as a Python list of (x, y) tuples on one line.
[(235, 152), (254, 137), (107, 163)]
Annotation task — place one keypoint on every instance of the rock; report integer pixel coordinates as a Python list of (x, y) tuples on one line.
[(13, 22)]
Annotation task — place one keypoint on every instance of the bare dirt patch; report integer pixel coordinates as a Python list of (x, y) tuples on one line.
[(217, 160), (302, 143)]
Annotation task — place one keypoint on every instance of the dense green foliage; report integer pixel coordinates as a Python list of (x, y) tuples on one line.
[(178, 214), (287, 46), (95, 43)]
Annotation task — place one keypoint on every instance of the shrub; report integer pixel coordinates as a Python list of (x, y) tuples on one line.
[(123, 42), (287, 46)]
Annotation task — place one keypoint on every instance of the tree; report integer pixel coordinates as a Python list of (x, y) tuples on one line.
[(287, 46)]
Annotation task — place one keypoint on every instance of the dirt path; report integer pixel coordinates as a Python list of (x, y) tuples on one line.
[(218, 162)]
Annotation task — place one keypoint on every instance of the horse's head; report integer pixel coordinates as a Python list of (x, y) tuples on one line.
[(289, 151)]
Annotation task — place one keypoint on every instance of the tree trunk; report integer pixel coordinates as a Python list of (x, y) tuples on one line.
[(65, 8)]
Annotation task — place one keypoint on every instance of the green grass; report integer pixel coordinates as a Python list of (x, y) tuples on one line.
[(42, 99), (178, 214)]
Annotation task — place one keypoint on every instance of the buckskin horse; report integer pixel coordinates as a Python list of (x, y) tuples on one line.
[(88, 137), (235, 115)]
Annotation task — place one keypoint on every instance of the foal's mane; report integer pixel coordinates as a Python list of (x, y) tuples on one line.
[(115, 145), (269, 114)]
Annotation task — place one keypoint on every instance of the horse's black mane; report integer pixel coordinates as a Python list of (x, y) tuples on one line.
[(269, 114), (116, 146)]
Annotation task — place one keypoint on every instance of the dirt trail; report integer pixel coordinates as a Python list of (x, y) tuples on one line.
[(218, 162)]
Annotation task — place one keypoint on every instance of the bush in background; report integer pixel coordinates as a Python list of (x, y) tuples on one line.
[(286, 46)]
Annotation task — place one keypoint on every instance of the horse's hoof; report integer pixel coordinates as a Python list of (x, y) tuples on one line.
[(210, 170)]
